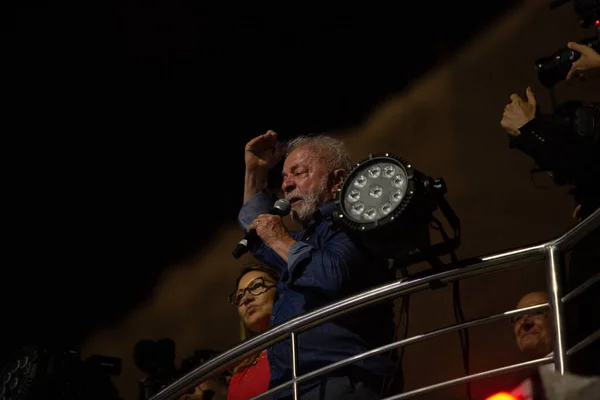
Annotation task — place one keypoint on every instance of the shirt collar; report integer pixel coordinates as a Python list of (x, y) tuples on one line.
[(324, 211)]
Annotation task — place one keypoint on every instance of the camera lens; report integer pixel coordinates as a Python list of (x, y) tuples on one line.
[(553, 69)]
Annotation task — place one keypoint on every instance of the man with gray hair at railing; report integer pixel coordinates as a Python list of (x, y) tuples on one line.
[(319, 265), (533, 333)]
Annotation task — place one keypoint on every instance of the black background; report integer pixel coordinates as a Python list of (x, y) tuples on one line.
[(125, 125)]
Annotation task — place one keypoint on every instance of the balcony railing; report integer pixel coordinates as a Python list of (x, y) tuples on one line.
[(551, 251)]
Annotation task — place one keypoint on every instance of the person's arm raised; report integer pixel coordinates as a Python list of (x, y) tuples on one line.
[(261, 154)]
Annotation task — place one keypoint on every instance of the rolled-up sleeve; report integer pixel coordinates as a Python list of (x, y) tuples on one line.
[(260, 203), (298, 252)]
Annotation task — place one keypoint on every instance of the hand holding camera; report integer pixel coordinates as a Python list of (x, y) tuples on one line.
[(578, 59), (518, 112), (588, 64)]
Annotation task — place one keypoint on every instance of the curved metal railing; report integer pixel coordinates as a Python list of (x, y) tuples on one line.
[(551, 251)]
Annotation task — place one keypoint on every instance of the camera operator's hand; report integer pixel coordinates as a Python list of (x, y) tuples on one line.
[(587, 66), (518, 112)]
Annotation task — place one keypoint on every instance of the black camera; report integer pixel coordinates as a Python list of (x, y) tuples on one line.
[(554, 68), (40, 372), (157, 360), (567, 144)]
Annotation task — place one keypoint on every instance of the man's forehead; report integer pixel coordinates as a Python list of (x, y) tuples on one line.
[(532, 299), (298, 157)]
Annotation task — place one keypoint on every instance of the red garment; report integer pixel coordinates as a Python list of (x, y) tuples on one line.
[(251, 381)]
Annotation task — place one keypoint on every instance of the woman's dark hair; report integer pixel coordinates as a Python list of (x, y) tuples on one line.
[(273, 274)]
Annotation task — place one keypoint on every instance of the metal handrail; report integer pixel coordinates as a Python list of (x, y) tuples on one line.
[(472, 377), (483, 265), (402, 343), (568, 239)]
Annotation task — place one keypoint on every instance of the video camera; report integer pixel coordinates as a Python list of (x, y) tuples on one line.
[(40, 372), (157, 360), (566, 143), (554, 68)]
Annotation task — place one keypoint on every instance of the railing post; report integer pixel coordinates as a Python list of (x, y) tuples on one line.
[(554, 276), (294, 341)]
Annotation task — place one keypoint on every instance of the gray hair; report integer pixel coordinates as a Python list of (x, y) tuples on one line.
[(330, 149)]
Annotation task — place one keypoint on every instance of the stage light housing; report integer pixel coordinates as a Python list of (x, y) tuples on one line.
[(388, 205)]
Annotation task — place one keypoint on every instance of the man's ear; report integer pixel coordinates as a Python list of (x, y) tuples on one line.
[(337, 176)]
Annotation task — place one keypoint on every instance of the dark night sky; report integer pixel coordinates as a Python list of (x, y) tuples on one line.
[(125, 128)]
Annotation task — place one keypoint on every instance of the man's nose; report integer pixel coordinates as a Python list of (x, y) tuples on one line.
[(527, 324), (287, 185)]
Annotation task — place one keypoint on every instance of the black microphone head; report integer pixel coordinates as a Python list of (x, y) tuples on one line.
[(283, 206)]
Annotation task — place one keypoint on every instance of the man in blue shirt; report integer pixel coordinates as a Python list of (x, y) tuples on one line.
[(319, 265)]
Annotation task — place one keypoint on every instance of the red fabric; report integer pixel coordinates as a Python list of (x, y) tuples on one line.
[(251, 381)]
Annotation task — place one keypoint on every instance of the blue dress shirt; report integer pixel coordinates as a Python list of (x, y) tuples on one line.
[(323, 267)]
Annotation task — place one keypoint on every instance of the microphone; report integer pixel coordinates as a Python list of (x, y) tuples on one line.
[(282, 207)]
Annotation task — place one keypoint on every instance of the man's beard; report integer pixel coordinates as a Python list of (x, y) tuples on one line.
[(310, 203)]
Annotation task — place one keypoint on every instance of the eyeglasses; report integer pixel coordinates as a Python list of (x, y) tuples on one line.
[(256, 287), (517, 318)]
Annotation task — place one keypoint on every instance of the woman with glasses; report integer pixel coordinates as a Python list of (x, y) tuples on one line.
[(253, 297)]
